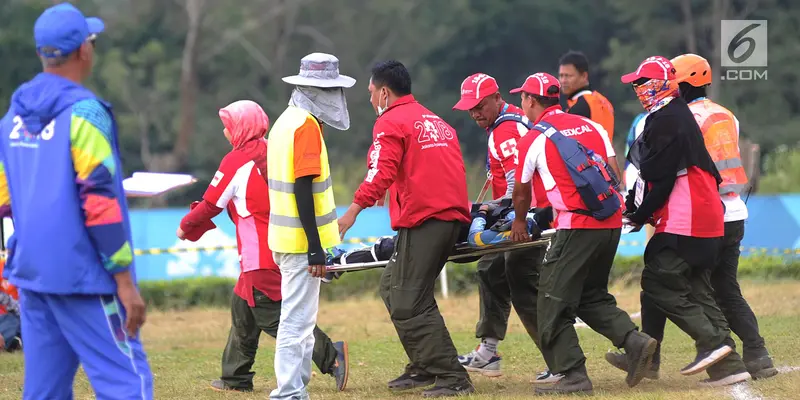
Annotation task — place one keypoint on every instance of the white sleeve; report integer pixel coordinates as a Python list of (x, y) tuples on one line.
[(227, 194), (529, 166), (609, 147)]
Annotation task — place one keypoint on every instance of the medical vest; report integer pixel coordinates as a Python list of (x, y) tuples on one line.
[(600, 109), (502, 161), (594, 180), (544, 166), (286, 234), (721, 136)]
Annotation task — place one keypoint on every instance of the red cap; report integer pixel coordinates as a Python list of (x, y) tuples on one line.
[(655, 67), (474, 89), (538, 84)]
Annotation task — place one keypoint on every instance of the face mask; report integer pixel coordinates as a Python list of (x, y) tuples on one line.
[(654, 94), (381, 110)]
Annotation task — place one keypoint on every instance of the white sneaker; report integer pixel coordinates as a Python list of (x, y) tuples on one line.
[(473, 362), (546, 378), (731, 379)]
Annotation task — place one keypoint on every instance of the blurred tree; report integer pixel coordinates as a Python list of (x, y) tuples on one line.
[(781, 171), (169, 65)]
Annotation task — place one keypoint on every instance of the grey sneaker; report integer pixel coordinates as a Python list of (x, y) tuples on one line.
[(575, 381), (449, 391), (220, 385), (705, 359), (639, 350), (341, 368), (411, 381), (547, 378), (473, 362), (730, 379), (620, 360)]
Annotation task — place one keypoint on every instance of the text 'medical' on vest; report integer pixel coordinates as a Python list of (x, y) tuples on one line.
[(593, 179), (286, 234)]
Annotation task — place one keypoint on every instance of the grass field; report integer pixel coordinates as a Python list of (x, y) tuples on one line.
[(185, 347)]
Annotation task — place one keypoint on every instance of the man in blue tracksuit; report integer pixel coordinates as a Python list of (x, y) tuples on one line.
[(72, 258)]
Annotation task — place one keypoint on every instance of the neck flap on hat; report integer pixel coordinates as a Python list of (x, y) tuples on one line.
[(327, 104)]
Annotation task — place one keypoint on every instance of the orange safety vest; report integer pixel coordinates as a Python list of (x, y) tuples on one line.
[(600, 109), (6, 286), (721, 136)]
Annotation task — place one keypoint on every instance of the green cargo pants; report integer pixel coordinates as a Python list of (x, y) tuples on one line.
[(246, 326), (574, 282), (505, 279), (685, 296), (407, 287)]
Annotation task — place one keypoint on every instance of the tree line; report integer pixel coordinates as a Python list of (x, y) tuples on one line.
[(167, 66)]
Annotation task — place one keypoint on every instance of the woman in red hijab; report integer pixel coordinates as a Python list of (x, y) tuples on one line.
[(240, 186)]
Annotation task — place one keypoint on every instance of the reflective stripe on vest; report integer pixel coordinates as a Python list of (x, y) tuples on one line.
[(287, 187), (286, 233), (722, 141)]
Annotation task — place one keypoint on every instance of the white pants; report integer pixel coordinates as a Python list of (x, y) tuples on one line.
[(295, 342)]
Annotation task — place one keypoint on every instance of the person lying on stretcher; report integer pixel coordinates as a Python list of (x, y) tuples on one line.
[(500, 231), (497, 215)]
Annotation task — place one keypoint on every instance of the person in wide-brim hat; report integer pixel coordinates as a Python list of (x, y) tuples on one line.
[(302, 221), (319, 89), (320, 70)]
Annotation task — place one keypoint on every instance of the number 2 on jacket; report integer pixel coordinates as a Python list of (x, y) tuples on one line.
[(428, 130)]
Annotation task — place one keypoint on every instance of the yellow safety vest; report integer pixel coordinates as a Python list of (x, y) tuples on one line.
[(286, 234)]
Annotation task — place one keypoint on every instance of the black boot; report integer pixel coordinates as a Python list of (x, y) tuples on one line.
[(411, 381), (759, 364), (639, 350), (460, 389), (575, 381), (620, 360)]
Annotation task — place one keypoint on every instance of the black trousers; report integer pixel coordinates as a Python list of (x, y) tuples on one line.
[(407, 287), (727, 294), (247, 323), (505, 279), (574, 282)]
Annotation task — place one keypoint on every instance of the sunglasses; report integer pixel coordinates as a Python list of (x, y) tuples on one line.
[(92, 39)]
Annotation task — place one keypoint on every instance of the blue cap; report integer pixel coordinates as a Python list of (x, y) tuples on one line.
[(64, 28)]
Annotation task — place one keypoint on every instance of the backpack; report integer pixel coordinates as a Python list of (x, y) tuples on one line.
[(593, 178), (507, 116)]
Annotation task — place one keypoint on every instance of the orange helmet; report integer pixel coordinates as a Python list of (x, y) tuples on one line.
[(692, 69)]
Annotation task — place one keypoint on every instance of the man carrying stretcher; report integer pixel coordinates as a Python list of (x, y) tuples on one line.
[(503, 278)]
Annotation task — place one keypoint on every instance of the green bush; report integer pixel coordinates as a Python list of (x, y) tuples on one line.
[(461, 278), (188, 292)]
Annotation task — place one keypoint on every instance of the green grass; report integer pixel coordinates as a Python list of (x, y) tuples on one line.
[(184, 349)]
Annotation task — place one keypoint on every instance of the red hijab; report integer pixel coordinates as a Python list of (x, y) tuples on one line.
[(247, 123)]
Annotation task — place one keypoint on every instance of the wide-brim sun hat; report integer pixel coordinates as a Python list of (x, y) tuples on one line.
[(320, 70)]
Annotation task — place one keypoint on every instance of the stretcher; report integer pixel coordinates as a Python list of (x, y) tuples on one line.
[(464, 251), (460, 252)]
